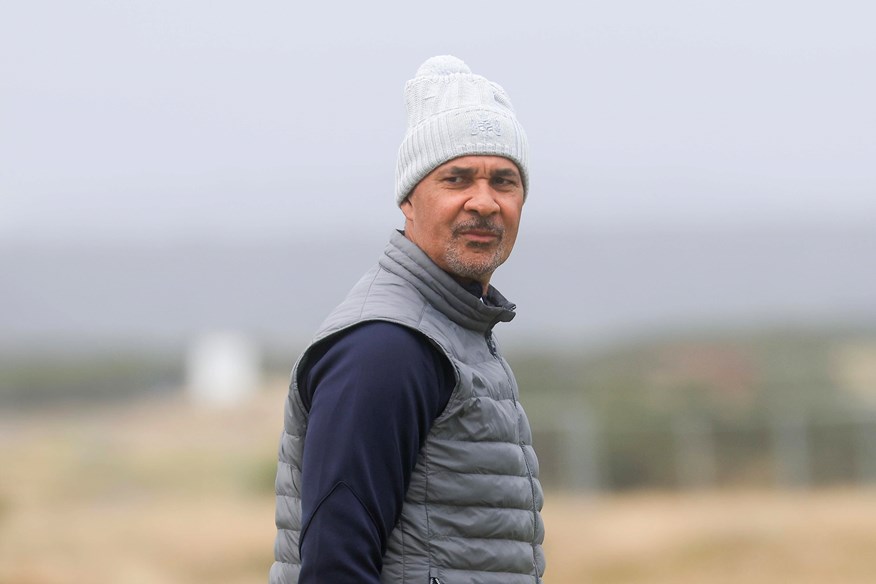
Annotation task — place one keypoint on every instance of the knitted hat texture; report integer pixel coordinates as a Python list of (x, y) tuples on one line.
[(451, 113)]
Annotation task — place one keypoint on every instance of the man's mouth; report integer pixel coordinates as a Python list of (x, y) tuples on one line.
[(479, 232), (481, 235)]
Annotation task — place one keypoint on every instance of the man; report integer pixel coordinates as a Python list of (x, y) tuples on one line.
[(405, 455)]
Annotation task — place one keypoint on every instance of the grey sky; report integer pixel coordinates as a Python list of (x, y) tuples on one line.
[(205, 120)]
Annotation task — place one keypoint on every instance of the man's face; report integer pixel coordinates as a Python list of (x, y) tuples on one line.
[(465, 215)]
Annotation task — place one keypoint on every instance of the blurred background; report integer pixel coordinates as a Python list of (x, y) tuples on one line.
[(187, 188)]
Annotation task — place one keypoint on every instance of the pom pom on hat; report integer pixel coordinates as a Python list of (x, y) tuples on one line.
[(442, 65), (451, 113)]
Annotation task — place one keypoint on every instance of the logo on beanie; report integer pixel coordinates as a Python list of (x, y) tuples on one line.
[(486, 127)]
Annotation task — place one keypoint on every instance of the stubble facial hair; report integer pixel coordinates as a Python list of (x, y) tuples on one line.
[(475, 266)]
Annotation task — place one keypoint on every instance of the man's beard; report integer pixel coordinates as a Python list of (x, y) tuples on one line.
[(486, 257)]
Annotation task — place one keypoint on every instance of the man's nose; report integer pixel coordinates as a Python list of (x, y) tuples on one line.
[(483, 199)]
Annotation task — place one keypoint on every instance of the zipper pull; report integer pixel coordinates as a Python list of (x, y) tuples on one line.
[(434, 580)]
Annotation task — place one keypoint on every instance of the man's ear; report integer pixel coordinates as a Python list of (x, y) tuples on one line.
[(408, 209)]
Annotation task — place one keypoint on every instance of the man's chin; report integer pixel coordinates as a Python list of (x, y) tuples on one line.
[(477, 268)]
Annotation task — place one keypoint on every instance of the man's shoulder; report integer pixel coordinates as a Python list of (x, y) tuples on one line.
[(379, 295), (381, 337), (375, 343), (375, 350)]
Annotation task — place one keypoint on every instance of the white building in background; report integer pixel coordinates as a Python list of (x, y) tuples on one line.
[(222, 369)]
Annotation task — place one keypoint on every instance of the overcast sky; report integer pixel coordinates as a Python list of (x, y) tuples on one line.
[(154, 121)]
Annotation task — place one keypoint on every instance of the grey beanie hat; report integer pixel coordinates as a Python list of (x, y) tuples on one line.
[(451, 113)]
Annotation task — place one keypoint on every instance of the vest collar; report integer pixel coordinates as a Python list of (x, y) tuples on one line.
[(404, 259)]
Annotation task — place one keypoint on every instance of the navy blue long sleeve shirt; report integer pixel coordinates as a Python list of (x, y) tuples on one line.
[(373, 394)]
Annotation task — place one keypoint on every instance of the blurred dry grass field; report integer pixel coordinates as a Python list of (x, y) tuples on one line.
[(166, 493)]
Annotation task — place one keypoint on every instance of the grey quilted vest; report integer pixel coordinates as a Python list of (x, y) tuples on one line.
[(472, 511)]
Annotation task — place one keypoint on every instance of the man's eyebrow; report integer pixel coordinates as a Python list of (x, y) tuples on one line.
[(461, 170), (469, 170), (506, 172)]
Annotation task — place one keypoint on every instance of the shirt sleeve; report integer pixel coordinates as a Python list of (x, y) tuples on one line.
[(372, 395)]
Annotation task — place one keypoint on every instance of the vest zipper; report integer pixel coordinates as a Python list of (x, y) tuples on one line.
[(491, 344)]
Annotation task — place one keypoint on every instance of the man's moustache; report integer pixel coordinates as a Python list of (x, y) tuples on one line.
[(479, 225)]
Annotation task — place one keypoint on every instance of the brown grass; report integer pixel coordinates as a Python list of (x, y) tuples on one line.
[(751, 537), (167, 493)]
